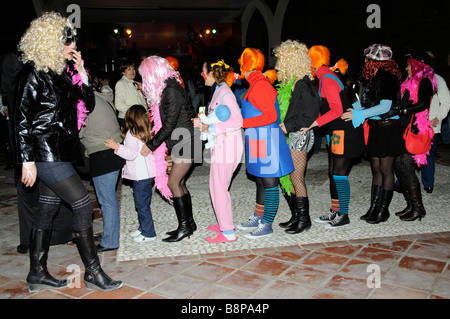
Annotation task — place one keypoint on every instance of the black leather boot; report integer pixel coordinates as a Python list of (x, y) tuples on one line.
[(294, 216), (94, 276), (190, 217), (181, 205), (39, 278), (374, 202), (302, 211), (382, 214), (408, 207), (417, 210)]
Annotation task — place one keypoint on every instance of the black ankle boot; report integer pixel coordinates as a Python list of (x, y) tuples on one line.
[(294, 216), (374, 202), (302, 211), (39, 278), (94, 276), (181, 205), (382, 214)]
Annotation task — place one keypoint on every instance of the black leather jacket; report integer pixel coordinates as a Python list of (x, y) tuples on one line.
[(176, 111), (46, 118)]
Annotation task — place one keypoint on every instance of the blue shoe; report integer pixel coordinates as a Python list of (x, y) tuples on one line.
[(252, 222), (264, 229)]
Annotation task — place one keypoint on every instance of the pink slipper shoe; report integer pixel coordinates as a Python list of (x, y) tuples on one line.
[(214, 228), (218, 238)]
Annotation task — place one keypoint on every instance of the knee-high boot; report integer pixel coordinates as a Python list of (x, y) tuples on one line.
[(39, 278), (183, 212), (417, 210), (408, 208), (302, 211), (190, 217), (382, 214), (294, 216), (374, 202), (94, 276)]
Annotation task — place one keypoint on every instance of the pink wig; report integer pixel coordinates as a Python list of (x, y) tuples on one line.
[(155, 71), (419, 70)]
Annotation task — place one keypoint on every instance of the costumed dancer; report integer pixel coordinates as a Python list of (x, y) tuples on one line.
[(299, 107), (417, 91), (226, 153), (173, 130), (267, 152), (381, 91), (55, 97), (345, 143)]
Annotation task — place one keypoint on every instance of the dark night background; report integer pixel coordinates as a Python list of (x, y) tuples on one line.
[(339, 25)]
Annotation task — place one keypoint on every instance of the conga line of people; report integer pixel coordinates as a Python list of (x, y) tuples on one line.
[(271, 125)]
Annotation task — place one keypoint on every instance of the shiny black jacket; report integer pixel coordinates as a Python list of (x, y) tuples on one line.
[(176, 112), (46, 116)]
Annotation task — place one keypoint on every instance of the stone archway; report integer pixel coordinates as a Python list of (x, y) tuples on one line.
[(274, 23)]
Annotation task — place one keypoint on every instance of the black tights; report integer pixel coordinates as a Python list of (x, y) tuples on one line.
[(405, 169), (262, 183), (72, 191), (383, 172), (177, 176)]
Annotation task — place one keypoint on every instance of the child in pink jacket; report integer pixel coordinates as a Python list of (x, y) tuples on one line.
[(139, 169)]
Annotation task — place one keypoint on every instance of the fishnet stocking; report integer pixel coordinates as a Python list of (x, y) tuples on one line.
[(300, 160)]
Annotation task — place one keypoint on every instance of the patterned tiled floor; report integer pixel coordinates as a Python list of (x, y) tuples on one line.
[(411, 266)]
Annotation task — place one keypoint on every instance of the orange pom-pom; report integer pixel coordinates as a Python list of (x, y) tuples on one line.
[(271, 75), (342, 65)]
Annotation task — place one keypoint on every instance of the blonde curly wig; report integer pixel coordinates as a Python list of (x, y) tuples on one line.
[(42, 43), (292, 61)]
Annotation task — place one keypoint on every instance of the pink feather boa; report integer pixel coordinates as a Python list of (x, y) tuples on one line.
[(419, 71), (161, 178), (81, 106)]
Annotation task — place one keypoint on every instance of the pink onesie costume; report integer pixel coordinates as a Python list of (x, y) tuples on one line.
[(225, 155)]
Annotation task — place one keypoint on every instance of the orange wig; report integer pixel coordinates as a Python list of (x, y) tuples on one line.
[(253, 59), (319, 55)]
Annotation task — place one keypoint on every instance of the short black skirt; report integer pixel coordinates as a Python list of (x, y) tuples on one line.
[(385, 141), (347, 143)]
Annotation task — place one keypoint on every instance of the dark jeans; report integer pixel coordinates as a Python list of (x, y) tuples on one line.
[(142, 192)]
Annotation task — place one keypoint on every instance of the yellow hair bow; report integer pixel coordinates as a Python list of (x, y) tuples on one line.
[(221, 63)]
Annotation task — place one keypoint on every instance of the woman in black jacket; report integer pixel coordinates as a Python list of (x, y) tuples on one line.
[(294, 71), (381, 91), (171, 112), (54, 98), (417, 91)]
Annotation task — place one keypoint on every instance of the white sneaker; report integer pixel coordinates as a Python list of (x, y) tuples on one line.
[(135, 233), (143, 239)]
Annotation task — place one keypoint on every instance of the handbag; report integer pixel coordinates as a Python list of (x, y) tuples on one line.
[(417, 143)]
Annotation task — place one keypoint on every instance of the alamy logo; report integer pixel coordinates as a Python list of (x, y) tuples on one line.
[(374, 279), (374, 19), (75, 16)]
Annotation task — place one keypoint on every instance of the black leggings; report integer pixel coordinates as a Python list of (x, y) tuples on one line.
[(72, 191)]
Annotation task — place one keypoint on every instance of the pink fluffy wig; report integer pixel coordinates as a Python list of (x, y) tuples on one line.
[(155, 71)]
